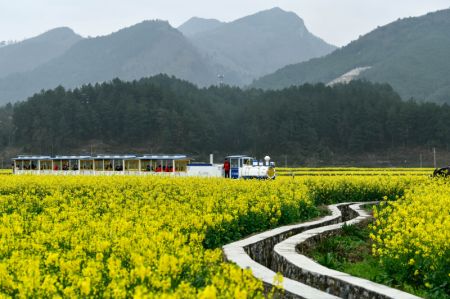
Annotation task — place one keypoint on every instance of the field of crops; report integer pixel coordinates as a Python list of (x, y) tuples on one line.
[(349, 171), (412, 236), (149, 236)]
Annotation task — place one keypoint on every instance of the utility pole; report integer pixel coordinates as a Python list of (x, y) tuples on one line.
[(420, 160), (285, 161), (220, 77), (434, 157)]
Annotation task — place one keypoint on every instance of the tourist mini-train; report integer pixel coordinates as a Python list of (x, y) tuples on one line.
[(241, 166)]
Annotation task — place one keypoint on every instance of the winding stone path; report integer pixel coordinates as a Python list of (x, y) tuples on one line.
[(279, 250)]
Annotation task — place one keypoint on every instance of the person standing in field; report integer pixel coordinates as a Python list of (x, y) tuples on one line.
[(226, 168)]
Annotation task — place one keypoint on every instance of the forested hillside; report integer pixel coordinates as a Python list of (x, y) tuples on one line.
[(167, 115), (410, 54)]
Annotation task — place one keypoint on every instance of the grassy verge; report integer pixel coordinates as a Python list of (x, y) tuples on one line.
[(350, 252)]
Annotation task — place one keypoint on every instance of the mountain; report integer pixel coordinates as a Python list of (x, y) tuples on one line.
[(202, 51), (145, 49), (198, 25), (257, 44), (30, 53), (411, 54)]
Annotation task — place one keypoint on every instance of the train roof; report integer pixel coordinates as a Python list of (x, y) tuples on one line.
[(70, 157), (116, 157), (162, 157), (103, 157), (113, 157), (25, 157)]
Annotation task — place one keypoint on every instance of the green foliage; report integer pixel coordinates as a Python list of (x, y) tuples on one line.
[(163, 114), (6, 126), (350, 252)]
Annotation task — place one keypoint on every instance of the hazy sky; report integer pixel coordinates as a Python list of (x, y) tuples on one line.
[(336, 21)]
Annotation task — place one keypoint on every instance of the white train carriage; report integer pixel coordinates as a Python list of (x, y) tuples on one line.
[(102, 164), (164, 165)]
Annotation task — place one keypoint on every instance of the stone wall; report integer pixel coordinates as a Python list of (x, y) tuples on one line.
[(279, 250)]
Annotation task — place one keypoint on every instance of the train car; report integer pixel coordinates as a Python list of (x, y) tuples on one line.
[(164, 165), (102, 164)]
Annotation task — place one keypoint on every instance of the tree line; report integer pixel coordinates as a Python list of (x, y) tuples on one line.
[(162, 114)]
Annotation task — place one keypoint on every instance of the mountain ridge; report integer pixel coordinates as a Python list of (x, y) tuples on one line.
[(242, 50), (147, 48), (280, 38), (410, 54), (30, 53), (196, 25)]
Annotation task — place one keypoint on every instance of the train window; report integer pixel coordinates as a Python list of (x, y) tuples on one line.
[(181, 165), (100, 165), (118, 165), (108, 165), (46, 165), (87, 164), (247, 161), (234, 163), (131, 165), (73, 165)]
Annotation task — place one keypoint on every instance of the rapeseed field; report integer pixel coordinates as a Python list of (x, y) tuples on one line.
[(412, 235), (161, 237)]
